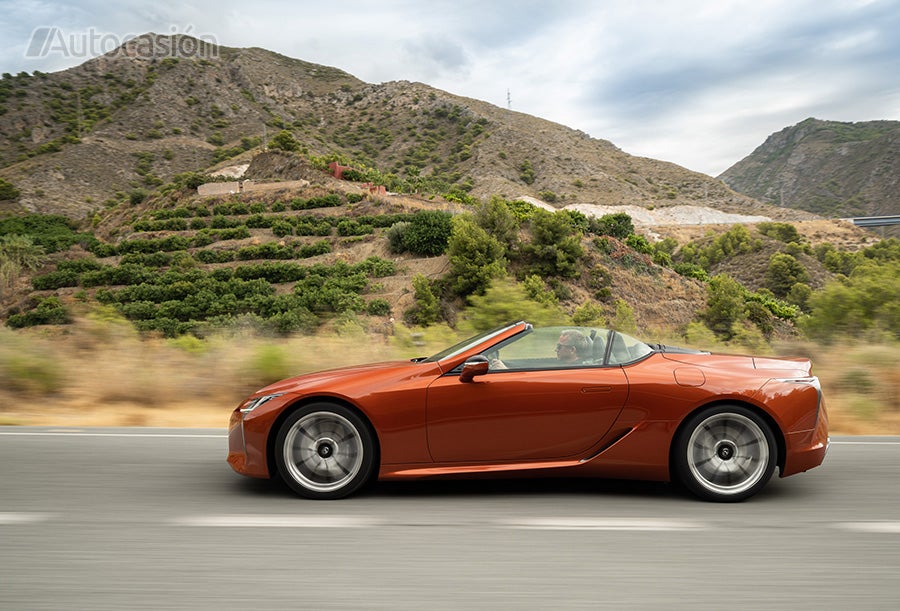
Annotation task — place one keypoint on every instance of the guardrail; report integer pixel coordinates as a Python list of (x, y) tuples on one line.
[(876, 221)]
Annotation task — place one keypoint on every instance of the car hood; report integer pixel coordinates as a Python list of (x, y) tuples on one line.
[(353, 376)]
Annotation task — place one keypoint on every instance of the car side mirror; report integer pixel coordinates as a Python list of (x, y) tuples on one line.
[(477, 365)]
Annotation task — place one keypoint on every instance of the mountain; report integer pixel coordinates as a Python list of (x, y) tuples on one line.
[(829, 168), (84, 138)]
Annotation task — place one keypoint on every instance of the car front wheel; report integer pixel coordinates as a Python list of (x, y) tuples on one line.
[(725, 454), (325, 451)]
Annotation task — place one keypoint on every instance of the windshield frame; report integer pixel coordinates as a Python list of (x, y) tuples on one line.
[(471, 342)]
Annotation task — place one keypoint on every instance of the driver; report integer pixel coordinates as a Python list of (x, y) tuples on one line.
[(573, 347)]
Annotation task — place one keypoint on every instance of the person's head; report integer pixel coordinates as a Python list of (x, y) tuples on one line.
[(572, 346)]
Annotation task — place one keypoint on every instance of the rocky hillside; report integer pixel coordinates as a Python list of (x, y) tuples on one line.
[(84, 138), (829, 168)]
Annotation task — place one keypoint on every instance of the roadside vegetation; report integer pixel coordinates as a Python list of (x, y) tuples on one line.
[(173, 287)]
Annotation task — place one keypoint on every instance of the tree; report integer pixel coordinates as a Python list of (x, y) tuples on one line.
[(504, 301), (285, 141), (784, 272), (725, 305), (864, 301), (476, 257), (496, 218), (427, 308), (554, 249)]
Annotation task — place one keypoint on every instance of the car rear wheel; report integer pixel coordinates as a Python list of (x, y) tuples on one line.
[(725, 453), (325, 451)]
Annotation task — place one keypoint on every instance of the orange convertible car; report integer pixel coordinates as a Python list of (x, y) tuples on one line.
[(519, 400)]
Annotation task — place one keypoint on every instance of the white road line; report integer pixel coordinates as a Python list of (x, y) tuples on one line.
[(278, 521), (80, 434), (8, 518), (629, 524), (890, 528)]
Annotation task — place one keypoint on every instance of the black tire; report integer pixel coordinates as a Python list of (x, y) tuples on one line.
[(325, 451), (725, 453)]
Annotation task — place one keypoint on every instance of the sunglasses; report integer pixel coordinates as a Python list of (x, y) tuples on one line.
[(561, 346)]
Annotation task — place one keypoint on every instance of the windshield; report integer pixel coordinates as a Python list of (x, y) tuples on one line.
[(565, 347), (468, 343)]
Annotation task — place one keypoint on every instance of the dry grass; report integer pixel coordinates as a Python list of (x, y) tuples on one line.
[(98, 372)]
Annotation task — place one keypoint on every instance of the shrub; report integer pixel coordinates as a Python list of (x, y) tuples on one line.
[(427, 307), (285, 141), (526, 172), (48, 311), (617, 225), (351, 227), (866, 300), (378, 307), (55, 280), (691, 270), (639, 243), (783, 232), (428, 233), (395, 237), (8, 191)]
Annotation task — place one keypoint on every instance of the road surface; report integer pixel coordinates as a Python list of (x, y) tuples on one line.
[(155, 519)]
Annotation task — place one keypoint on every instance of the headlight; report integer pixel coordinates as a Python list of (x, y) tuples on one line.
[(251, 404)]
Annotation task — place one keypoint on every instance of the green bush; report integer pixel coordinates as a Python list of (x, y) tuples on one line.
[(55, 280), (351, 227), (691, 270), (48, 311), (7, 190), (617, 225), (735, 241), (526, 172), (428, 233), (53, 233), (285, 141), (427, 308), (783, 232), (640, 244), (395, 237), (378, 307)]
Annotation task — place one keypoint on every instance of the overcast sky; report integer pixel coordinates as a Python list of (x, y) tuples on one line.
[(699, 83)]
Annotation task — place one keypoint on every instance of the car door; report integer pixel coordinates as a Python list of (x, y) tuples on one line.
[(521, 415)]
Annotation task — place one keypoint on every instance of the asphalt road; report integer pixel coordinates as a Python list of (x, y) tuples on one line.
[(155, 519)]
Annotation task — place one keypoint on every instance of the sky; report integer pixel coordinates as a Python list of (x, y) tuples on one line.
[(695, 82)]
